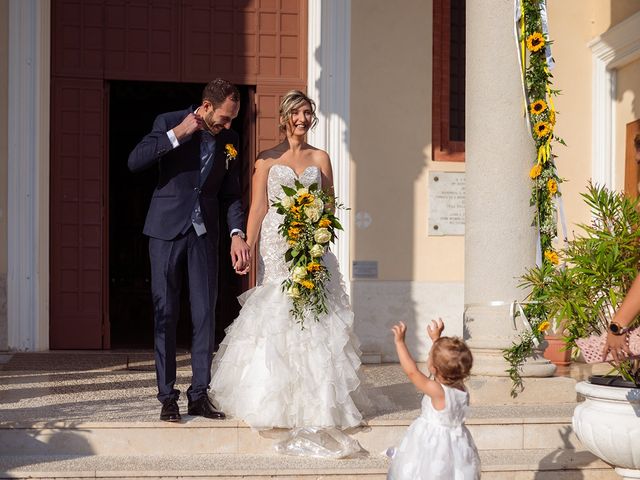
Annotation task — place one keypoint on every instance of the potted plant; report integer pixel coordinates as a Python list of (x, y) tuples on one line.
[(583, 288)]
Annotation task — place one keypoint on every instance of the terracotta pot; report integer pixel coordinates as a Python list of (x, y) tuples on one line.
[(555, 351)]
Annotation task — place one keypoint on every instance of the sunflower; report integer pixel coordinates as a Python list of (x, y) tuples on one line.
[(552, 257), (314, 267), (293, 233), (306, 199), (230, 150), (542, 129), (544, 326), (552, 186), (535, 171), (538, 107), (535, 41), (308, 284), (324, 223)]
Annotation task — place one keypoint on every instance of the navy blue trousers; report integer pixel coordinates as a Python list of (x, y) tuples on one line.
[(169, 259)]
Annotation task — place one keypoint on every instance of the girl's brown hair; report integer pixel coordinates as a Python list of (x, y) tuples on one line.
[(452, 360)]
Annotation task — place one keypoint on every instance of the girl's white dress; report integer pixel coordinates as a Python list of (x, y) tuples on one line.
[(437, 445), (268, 371)]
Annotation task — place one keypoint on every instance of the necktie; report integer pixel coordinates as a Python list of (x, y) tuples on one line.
[(207, 148)]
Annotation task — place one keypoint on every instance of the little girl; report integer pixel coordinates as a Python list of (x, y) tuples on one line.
[(437, 445)]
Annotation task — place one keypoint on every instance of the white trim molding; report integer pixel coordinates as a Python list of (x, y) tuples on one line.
[(328, 83), (615, 48), (28, 175)]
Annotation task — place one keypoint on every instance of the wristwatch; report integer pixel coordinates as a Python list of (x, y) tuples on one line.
[(239, 233), (618, 329)]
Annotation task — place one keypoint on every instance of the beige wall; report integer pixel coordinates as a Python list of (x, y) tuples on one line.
[(571, 28), (390, 141), (573, 24), (4, 109), (419, 277), (622, 9)]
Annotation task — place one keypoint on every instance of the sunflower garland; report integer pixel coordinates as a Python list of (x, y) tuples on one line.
[(534, 43)]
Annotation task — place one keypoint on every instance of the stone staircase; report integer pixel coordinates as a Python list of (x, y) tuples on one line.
[(79, 415)]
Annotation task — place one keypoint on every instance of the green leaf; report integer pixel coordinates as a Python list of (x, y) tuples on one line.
[(289, 191)]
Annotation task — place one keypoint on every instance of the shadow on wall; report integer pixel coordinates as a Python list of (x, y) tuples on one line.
[(622, 9), (389, 132)]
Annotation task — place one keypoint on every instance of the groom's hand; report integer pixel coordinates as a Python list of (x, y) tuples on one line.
[(240, 255)]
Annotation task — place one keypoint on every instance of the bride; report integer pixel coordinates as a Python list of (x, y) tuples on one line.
[(269, 372)]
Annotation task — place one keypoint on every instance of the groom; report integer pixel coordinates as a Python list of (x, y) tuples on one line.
[(195, 152)]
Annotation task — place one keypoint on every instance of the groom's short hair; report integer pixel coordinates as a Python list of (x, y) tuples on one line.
[(218, 90)]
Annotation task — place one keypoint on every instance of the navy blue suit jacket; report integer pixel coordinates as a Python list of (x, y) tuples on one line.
[(179, 187)]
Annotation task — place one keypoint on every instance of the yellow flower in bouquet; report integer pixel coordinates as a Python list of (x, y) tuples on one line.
[(308, 227), (552, 186), (314, 267)]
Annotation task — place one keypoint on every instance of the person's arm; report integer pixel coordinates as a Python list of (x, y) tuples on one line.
[(230, 197), (420, 380), (157, 143), (327, 175), (259, 203), (628, 311)]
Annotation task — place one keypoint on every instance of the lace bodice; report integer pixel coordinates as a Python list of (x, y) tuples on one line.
[(273, 246)]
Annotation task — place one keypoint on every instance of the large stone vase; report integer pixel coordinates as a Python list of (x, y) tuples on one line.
[(608, 425)]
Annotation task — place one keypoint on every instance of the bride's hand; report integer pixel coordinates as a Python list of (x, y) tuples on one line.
[(242, 269)]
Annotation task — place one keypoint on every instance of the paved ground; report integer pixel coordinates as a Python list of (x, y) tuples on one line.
[(78, 387)]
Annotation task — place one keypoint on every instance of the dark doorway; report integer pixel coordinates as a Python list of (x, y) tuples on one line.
[(133, 107)]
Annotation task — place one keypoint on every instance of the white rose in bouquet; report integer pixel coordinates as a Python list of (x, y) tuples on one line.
[(302, 191), (298, 274), (293, 291), (322, 235), (313, 213), (317, 251), (287, 202), (319, 204)]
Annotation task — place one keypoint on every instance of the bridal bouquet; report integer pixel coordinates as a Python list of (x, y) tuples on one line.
[(309, 226)]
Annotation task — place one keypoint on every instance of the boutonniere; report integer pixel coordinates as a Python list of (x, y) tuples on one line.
[(230, 153)]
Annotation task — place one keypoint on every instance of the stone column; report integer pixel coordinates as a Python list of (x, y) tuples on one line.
[(28, 175), (499, 238)]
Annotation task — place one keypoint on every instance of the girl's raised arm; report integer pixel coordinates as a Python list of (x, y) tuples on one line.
[(423, 383)]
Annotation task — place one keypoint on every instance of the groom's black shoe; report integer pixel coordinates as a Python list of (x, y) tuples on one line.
[(170, 411), (202, 407)]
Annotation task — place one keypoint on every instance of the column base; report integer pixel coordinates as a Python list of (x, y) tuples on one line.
[(490, 362), (491, 390)]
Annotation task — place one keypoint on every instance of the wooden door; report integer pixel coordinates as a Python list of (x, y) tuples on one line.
[(632, 159), (260, 44), (77, 213)]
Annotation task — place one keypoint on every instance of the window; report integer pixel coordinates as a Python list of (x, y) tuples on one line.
[(448, 80)]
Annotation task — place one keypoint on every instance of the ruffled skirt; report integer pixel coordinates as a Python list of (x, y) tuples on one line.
[(270, 373)]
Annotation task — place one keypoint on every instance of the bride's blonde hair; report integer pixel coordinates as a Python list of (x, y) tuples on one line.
[(292, 100)]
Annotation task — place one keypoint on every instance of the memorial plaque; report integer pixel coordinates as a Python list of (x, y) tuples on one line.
[(446, 203), (364, 269)]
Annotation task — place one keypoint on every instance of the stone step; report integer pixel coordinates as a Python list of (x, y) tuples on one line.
[(496, 465), (493, 428)]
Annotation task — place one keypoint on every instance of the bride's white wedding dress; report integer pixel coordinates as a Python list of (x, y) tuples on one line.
[(268, 371)]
